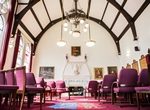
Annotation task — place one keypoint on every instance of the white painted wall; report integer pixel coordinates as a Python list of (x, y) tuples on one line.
[(143, 32), (103, 54)]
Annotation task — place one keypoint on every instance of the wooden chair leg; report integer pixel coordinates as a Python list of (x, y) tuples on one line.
[(69, 95), (51, 94), (59, 95), (41, 97), (138, 101), (22, 101)]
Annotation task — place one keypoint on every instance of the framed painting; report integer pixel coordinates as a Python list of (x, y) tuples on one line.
[(112, 70), (46, 72), (98, 73), (135, 65), (75, 51)]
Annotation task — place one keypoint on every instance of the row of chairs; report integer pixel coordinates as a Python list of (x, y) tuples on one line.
[(17, 77), (128, 83), (52, 87)]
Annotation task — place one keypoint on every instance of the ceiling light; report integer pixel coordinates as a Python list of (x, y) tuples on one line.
[(61, 43), (91, 42), (76, 22), (74, 18), (76, 33)]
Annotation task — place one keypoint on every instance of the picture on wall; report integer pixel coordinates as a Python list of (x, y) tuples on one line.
[(75, 51), (112, 70), (46, 72), (98, 73)]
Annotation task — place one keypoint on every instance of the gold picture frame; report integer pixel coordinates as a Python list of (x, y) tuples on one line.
[(112, 70), (98, 72), (75, 50)]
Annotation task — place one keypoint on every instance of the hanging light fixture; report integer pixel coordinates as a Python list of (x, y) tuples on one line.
[(90, 42), (61, 43), (75, 21)]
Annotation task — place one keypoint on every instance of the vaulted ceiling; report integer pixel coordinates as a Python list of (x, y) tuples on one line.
[(116, 16)]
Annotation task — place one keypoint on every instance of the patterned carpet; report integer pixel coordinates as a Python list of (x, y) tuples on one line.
[(79, 103)]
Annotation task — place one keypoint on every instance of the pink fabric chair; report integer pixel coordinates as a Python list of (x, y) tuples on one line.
[(92, 88), (20, 82), (52, 86), (126, 82), (32, 88), (106, 85), (41, 83), (61, 88)]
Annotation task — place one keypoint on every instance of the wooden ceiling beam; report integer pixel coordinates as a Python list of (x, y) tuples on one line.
[(123, 4), (115, 38), (139, 12), (142, 8), (19, 16), (104, 11), (46, 10), (46, 28), (27, 30), (127, 16), (88, 9), (62, 8), (36, 18)]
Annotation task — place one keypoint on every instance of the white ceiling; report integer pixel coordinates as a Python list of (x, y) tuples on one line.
[(97, 8)]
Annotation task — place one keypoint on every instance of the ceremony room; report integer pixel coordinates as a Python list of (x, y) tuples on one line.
[(74, 54)]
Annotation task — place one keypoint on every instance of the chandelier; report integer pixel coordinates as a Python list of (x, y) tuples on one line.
[(4, 6), (75, 23), (76, 20)]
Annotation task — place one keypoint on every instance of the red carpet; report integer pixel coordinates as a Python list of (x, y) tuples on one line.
[(78, 103)]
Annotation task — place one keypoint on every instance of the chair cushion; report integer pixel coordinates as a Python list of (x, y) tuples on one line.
[(124, 89), (105, 90), (61, 90), (33, 89), (145, 88)]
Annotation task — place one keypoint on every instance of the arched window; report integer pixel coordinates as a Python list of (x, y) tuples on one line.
[(20, 53), (27, 57), (1, 30), (24, 53)]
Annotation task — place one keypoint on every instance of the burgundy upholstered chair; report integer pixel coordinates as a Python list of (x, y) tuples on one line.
[(106, 85), (61, 88), (2, 77), (2, 82), (8, 88), (92, 88), (126, 82), (32, 89), (10, 77), (42, 83), (10, 81), (143, 79), (52, 86), (143, 87), (20, 77)]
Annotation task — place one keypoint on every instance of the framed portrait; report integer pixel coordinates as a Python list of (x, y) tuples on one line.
[(142, 61), (112, 70), (75, 51), (46, 72), (135, 65), (98, 73)]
